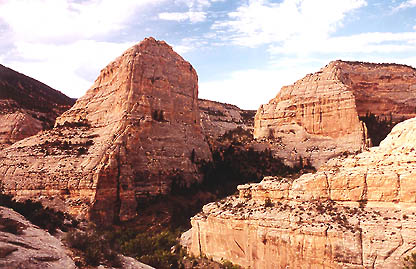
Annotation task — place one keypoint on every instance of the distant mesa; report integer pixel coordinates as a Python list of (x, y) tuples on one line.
[(27, 106), (318, 117), (131, 136)]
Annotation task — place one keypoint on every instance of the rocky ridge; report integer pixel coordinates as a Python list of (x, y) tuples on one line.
[(357, 211), (218, 118), (317, 118), (135, 131), (27, 106)]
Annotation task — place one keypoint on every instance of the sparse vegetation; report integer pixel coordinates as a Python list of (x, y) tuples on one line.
[(229, 265), (35, 212), (410, 261)]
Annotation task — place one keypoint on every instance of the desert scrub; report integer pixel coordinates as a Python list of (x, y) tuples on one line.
[(44, 217), (158, 249), (409, 262), (229, 265), (94, 246)]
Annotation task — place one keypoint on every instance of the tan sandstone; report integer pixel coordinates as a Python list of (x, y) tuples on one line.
[(317, 118), (218, 118), (134, 132), (355, 212)]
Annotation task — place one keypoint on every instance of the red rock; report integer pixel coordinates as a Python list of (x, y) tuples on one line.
[(128, 138)]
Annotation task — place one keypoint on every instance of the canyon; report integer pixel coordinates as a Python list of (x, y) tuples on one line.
[(354, 212), (318, 117), (141, 131)]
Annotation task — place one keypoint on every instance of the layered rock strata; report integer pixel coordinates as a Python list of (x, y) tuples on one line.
[(218, 118), (355, 212), (134, 133), (27, 106), (317, 117)]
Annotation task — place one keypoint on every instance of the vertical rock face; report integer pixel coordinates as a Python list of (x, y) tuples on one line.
[(382, 89), (318, 116), (355, 212), (134, 132), (27, 106)]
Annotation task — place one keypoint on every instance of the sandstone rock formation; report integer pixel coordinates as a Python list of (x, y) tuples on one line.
[(23, 245), (27, 106), (317, 117), (135, 131), (218, 118), (355, 212)]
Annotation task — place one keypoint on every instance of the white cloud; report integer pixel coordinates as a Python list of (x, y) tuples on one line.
[(360, 43), (251, 88), (406, 4), (68, 68), (263, 22), (67, 20), (192, 16), (60, 42)]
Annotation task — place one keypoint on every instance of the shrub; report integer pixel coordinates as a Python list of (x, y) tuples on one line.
[(268, 203), (35, 212), (95, 246), (410, 261), (229, 265)]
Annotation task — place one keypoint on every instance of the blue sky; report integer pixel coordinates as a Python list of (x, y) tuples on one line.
[(243, 50)]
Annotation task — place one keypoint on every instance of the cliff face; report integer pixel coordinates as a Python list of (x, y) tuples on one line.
[(355, 212), (27, 106), (382, 89), (317, 117), (219, 118), (134, 132)]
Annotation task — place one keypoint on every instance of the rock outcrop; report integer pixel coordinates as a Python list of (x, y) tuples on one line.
[(218, 118), (23, 245), (317, 117), (355, 212), (27, 106), (134, 134)]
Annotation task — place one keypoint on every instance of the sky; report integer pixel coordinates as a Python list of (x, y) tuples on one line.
[(244, 51)]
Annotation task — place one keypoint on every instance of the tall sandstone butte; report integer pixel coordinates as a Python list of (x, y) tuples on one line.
[(136, 130), (317, 117), (27, 106), (355, 212)]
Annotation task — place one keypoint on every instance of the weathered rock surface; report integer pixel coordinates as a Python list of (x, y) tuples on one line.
[(27, 106), (135, 131), (355, 212), (218, 118), (317, 117), (23, 245)]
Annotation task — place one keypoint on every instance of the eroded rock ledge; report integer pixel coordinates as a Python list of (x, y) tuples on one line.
[(317, 118), (355, 212)]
